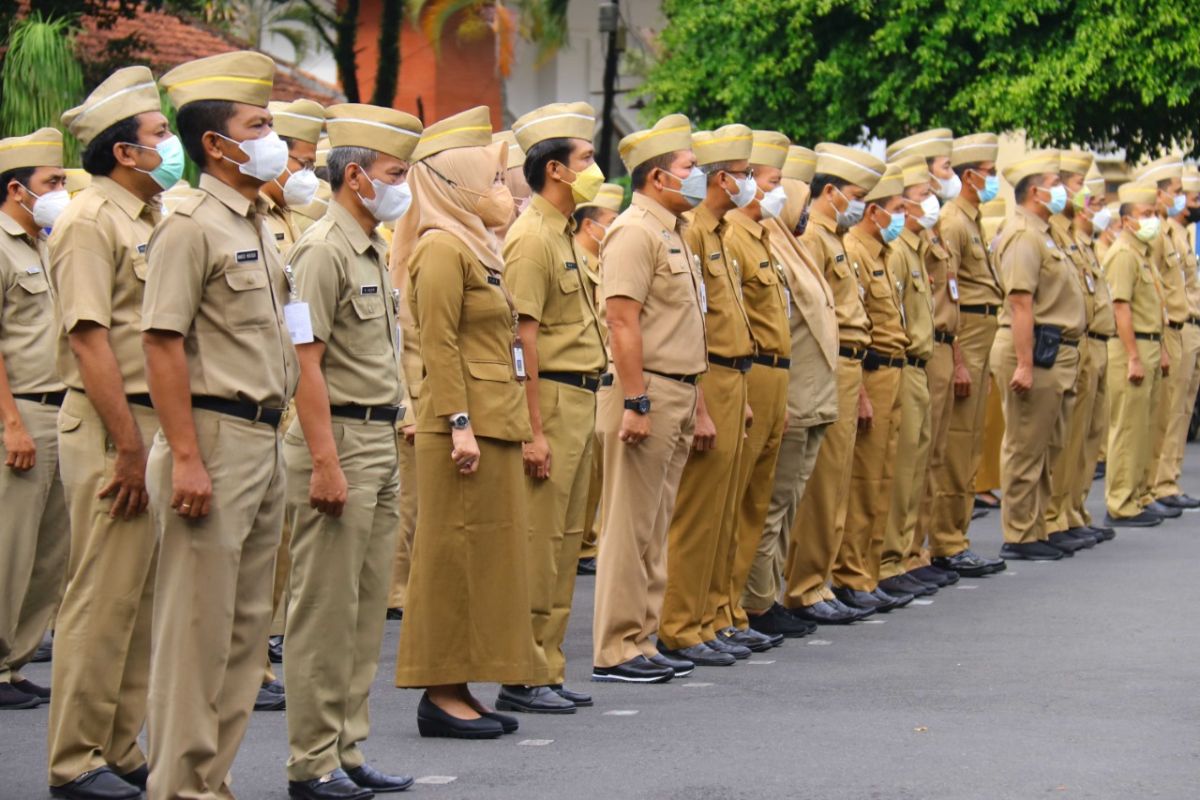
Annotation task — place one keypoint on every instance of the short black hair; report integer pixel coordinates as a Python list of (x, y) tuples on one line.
[(961, 169), (641, 173), (21, 175), (823, 179), (1024, 186), (322, 173), (198, 118), (1164, 183), (1125, 210), (98, 158), (587, 212), (342, 157), (540, 155)]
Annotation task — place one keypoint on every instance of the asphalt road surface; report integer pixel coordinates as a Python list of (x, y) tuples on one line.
[(1072, 679)]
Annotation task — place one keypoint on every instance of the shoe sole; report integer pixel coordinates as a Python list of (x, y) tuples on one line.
[(607, 678), (508, 705), (300, 794), (1032, 558), (762, 647), (431, 729)]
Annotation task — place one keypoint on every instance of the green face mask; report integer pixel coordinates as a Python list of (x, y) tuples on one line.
[(1081, 197), (170, 168)]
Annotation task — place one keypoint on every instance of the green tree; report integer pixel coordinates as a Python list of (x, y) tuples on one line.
[(1103, 73), (40, 78)]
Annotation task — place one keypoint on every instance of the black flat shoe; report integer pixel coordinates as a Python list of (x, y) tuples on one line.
[(1105, 534), (967, 564), (507, 724), (1181, 501), (97, 784), (433, 722), (137, 777), (270, 698), (754, 640), (586, 566), (275, 649), (635, 670), (580, 699), (44, 652), (368, 777), (824, 613), (856, 599), (1090, 537), (891, 601), (12, 698), (334, 786), (1031, 551), (736, 650), (42, 693), (533, 700), (1166, 512), (680, 667), (395, 613), (1068, 543), (777, 621), (1142, 519), (701, 655), (931, 574), (902, 584)]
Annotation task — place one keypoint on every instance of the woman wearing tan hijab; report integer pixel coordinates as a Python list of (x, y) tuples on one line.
[(466, 615)]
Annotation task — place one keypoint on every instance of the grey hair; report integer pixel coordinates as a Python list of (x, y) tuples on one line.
[(342, 157)]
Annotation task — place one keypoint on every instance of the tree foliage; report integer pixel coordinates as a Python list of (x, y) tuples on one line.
[(1103, 73), (40, 78)]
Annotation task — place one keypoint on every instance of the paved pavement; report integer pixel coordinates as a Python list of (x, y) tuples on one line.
[(1074, 679)]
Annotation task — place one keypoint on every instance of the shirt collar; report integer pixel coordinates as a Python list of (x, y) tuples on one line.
[(227, 195), (656, 210), (703, 217), (554, 218), (828, 223), (350, 228), (872, 245), (971, 211), (1139, 247), (124, 199), (1033, 220), (739, 218), (910, 238), (11, 226)]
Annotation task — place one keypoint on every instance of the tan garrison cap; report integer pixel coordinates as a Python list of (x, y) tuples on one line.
[(927, 144), (384, 130), (1191, 179), (555, 121), (1035, 162), (1138, 191), (770, 149), (856, 166), (77, 180), (994, 208), (1094, 182), (322, 159), (42, 148), (974, 148), (242, 76), (610, 196), (299, 119), (890, 185), (1160, 169), (801, 164), (670, 134), (470, 128), (516, 156), (1076, 161), (727, 143), (124, 94), (913, 170)]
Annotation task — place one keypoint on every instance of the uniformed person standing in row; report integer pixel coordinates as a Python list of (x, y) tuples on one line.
[(33, 564), (1182, 227), (98, 270), (654, 311), (564, 363), (221, 368), (305, 215), (704, 525), (843, 178), (1036, 354), (343, 473), (514, 179), (1135, 357)]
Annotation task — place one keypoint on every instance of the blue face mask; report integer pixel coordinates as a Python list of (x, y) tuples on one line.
[(1178, 205), (1058, 199), (694, 187), (892, 232), (991, 188), (170, 169)]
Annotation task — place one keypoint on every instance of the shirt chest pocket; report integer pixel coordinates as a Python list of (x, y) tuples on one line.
[(917, 282), (680, 289), (367, 329), (978, 255), (137, 264), (715, 266), (765, 274), (879, 288), (569, 286), (247, 303), (32, 296), (841, 270)]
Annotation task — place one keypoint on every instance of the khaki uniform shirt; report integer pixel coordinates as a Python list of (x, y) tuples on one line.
[(904, 261), (342, 274), (467, 325), (1131, 279), (764, 292), (867, 255), (282, 227), (216, 278), (1169, 260), (543, 272), (822, 242), (943, 288), (27, 329), (962, 236), (1030, 261), (644, 258), (725, 319), (1180, 241), (98, 269), (1102, 321), (1061, 231)]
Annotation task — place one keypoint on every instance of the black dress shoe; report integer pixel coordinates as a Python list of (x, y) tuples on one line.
[(1066, 539), (395, 613), (533, 700), (334, 786), (137, 777), (699, 654), (823, 613), (891, 601), (1101, 469), (507, 724), (580, 699), (856, 614), (1166, 512), (680, 668), (754, 640), (1181, 501), (1031, 551), (967, 564), (12, 698), (29, 687), (44, 652), (777, 621), (270, 698), (275, 649), (903, 584), (368, 777), (636, 670), (1090, 537), (1105, 534), (1142, 519), (433, 722), (586, 566), (978, 513), (721, 646), (931, 574), (97, 784), (856, 599)]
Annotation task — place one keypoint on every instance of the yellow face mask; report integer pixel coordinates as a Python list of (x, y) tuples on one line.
[(587, 183)]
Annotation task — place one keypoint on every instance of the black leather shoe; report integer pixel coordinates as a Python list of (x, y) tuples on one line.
[(753, 640), (586, 566), (137, 777), (857, 599), (1101, 469), (931, 574), (97, 784), (891, 601), (270, 698), (1142, 519), (334, 786), (855, 614), (1090, 537), (1166, 512), (29, 687), (395, 613), (967, 564), (777, 621), (978, 513), (1180, 501), (433, 722), (44, 652), (275, 649), (12, 698), (903, 584), (823, 613), (635, 670), (507, 724), (1031, 551), (678, 666), (1105, 534), (368, 777), (699, 654), (1061, 539), (533, 700), (580, 699), (736, 650)]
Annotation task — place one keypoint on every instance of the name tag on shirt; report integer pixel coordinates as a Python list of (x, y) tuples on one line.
[(764, 264), (788, 294), (714, 256), (141, 248), (369, 289), (703, 297), (33, 270), (1050, 243), (494, 280), (279, 237), (299, 323), (674, 251), (839, 258), (952, 285), (247, 255), (876, 273), (975, 240), (570, 265)]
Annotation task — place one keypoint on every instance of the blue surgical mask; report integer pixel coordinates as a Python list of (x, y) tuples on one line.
[(1178, 205), (892, 232), (694, 187), (1058, 199), (991, 188), (170, 169)]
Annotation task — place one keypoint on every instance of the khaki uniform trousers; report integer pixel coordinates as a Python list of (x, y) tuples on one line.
[(816, 534), (1130, 427), (987, 477), (556, 520), (857, 563), (212, 605), (1033, 438), (908, 481), (704, 525), (1066, 470), (338, 595), (1178, 399), (34, 542), (101, 667), (954, 482), (283, 556), (1096, 433), (940, 372), (640, 484), (797, 456), (589, 547), (402, 563)]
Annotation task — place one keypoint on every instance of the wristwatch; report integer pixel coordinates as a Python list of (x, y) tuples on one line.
[(460, 422), (640, 404)]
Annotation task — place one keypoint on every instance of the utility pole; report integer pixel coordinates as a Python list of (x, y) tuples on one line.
[(610, 24)]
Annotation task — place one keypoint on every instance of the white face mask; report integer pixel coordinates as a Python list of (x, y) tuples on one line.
[(747, 191), (948, 188), (1100, 221), (266, 158), (931, 209), (390, 200), (300, 188), (48, 206), (773, 202), (602, 227), (1148, 228)]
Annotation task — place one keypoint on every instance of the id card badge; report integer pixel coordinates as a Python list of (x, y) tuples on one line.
[(519, 360), (299, 322), (703, 297), (1091, 284), (787, 293), (952, 285)]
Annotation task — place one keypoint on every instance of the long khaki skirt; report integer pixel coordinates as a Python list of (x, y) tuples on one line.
[(466, 616)]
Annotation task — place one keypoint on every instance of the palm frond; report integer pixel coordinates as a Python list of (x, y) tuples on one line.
[(40, 79)]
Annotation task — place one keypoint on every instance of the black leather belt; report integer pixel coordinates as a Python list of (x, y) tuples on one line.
[(942, 337), (913, 361), (1099, 337), (45, 398), (580, 380), (1175, 326), (878, 359), (1194, 321), (387, 414), (236, 408), (681, 378), (139, 400), (1149, 337), (1071, 343), (856, 353), (778, 362), (983, 308), (741, 364)]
